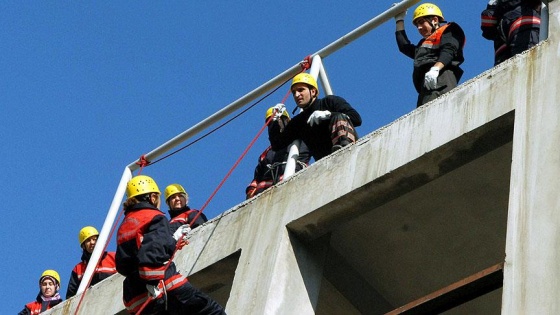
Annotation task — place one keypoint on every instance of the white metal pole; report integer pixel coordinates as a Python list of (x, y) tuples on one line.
[(543, 31), (293, 155), (107, 226)]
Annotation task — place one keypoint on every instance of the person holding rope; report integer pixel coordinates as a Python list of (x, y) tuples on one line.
[(437, 56), (87, 237), (145, 249), (177, 200), (272, 163), (325, 124)]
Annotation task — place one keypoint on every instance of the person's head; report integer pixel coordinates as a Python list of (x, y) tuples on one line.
[(88, 238), (427, 18), (142, 188), (49, 283), (304, 89), (176, 196)]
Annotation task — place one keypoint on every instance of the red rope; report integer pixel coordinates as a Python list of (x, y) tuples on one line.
[(143, 163)]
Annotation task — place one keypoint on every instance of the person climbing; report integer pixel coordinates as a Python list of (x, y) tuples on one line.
[(513, 26), (145, 248), (437, 56), (177, 200), (87, 237), (324, 124), (48, 297), (271, 164)]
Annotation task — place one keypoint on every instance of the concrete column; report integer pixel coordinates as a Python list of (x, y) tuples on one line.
[(532, 265)]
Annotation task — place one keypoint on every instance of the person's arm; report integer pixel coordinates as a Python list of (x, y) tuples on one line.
[(25, 311), (450, 45), (73, 284), (338, 104)]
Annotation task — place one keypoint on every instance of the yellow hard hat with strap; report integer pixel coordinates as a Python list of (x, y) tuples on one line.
[(141, 185), (174, 189), (50, 273), (87, 232), (427, 9)]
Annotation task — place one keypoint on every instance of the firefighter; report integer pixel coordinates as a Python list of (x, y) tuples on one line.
[(87, 237), (437, 56), (145, 247), (271, 164), (513, 26), (324, 124), (48, 297), (177, 200)]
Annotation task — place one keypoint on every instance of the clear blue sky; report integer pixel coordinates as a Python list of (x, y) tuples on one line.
[(88, 87)]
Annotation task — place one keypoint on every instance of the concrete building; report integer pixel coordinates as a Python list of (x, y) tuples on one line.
[(456, 202)]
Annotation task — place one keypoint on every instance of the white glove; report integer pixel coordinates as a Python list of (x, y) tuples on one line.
[(430, 79), (154, 291), (279, 109), (317, 116), (492, 2), (182, 232), (401, 15)]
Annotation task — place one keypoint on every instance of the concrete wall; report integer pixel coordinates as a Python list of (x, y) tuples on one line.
[(268, 255)]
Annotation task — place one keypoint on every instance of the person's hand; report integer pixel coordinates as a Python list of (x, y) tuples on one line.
[(250, 192), (401, 15), (182, 232), (154, 291), (492, 2), (317, 116), (279, 109), (430, 79)]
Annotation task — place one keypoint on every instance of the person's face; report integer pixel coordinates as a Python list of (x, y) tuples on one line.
[(424, 27), (302, 94), (89, 244), (48, 287), (177, 201)]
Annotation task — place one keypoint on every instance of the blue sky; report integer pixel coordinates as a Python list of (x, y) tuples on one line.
[(88, 87)]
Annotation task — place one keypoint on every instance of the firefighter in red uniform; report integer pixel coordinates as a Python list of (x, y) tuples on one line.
[(177, 200), (513, 26), (271, 164), (49, 285), (325, 124), (87, 237), (145, 247), (438, 54)]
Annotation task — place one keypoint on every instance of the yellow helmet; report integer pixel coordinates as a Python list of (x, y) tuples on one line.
[(307, 79), (271, 110), (50, 273), (427, 9), (87, 232), (174, 189), (140, 185)]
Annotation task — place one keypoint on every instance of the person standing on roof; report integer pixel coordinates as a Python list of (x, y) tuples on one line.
[(177, 200), (145, 248), (324, 124), (271, 164), (513, 26), (87, 237), (48, 297), (437, 56)]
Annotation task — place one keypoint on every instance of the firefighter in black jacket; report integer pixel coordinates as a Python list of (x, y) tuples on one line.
[(105, 268), (438, 54), (272, 163), (325, 125), (177, 199), (145, 246), (513, 26)]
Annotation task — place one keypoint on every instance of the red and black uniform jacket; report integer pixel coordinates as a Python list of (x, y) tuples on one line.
[(145, 246), (271, 166), (445, 45), (317, 138), (38, 306), (104, 270), (185, 215)]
